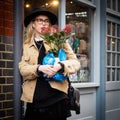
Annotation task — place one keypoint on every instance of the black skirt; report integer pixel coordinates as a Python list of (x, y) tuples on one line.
[(57, 111)]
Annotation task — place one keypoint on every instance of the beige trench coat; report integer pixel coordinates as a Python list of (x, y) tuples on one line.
[(28, 66)]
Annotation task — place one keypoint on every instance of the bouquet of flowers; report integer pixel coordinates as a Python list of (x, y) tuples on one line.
[(55, 38)]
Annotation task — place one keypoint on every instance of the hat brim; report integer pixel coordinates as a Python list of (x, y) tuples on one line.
[(51, 16)]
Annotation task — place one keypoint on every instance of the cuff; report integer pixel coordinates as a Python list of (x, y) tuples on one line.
[(39, 73), (62, 69)]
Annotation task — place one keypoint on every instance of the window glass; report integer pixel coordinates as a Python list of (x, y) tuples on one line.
[(118, 60), (108, 58), (79, 17), (108, 74), (113, 44), (118, 45), (108, 4), (108, 43), (118, 6), (113, 74), (114, 4), (118, 30), (118, 74), (113, 29), (108, 30)]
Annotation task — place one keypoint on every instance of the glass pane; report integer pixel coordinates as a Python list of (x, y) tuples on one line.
[(118, 59), (113, 44), (113, 74), (108, 59), (108, 4), (109, 28), (79, 17), (113, 29), (108, 74), (113, 59), (118, 6), (108, 43), (118, 45), (118, 74), (114, 4), (118, 30)]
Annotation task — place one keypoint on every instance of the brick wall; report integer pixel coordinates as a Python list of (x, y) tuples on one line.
[(6, 59)]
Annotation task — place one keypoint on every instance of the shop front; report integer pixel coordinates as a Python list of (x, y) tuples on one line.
[(88, 41)]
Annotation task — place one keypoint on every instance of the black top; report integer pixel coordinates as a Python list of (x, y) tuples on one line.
[(44, 94)]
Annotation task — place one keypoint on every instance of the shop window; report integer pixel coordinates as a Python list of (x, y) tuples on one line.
[(113, 51), (80, 17)]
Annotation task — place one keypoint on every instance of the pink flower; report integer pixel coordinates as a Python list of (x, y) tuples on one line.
[(67, 29)]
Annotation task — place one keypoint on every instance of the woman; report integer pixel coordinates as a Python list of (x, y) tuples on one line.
[(45, 100)]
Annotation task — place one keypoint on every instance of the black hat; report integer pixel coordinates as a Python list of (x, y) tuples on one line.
[(36, 12)]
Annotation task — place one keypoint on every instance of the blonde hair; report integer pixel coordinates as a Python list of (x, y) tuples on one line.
[(29, 32)]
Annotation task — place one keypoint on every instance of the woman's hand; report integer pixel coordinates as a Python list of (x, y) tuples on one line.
[(49, 70)]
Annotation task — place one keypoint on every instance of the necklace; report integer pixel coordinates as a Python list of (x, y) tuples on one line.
[(40, 47), (39, 44)]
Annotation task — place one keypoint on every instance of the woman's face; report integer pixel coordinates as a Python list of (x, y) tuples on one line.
[(40, 22)]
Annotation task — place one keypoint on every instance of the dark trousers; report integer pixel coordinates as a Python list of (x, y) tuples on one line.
[(58, 111)]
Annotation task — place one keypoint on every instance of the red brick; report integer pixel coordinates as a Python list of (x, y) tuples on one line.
[(1, 31), (9, 1), (8, 32), (1, 5), (1, 22), (1, 14), (8, 23), (8, 15), (8, 7)]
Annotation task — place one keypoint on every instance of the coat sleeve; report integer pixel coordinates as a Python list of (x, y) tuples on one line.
[(71, 65), (27, 70)]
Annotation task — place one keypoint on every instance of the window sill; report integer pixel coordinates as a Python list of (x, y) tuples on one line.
[(85, 85)]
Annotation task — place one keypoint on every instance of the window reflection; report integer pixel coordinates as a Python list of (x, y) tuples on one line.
[(79, 18)]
